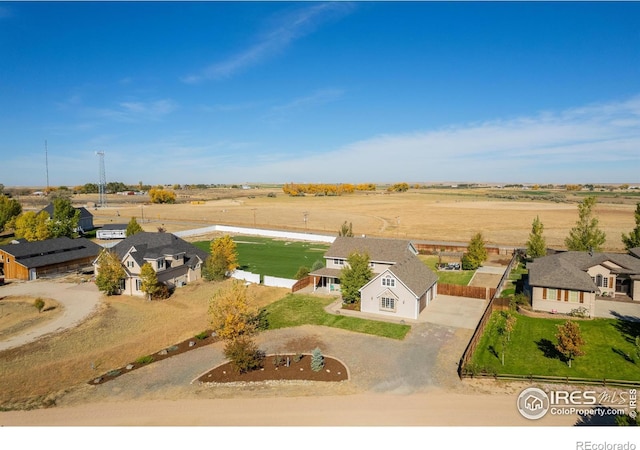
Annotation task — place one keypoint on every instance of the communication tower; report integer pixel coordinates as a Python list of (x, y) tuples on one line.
[(102, 185)]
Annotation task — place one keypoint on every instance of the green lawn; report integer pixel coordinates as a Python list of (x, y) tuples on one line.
[(459, 277), (276, 258), (610, 350), (294, 310)]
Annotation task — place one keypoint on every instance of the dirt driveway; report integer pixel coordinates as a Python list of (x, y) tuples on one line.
[(78, 301)]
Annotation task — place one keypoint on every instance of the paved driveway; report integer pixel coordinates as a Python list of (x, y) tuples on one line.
[(78, 301), (456, 312), (618, 310)]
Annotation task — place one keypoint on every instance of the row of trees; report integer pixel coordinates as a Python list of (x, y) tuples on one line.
[(34, 226), (585, 236)]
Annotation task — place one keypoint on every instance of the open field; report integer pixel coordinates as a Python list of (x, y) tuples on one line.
[(17, 314), (421, 214), (124, 329)]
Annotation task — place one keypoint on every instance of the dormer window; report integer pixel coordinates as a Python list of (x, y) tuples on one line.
[(160, 264), (339, 262), (388, 281)]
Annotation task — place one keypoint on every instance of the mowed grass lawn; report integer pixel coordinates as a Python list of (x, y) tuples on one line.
[(610, 350), (273, 257), (295, 310), (459, 277)]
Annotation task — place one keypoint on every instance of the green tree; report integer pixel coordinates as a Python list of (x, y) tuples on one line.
[(149, 280), (32, 226), (38, 303), (586, 236), (353, 276), (317, 265), (346, 229), (536, 245), (302, 272), (110, 273), (9, 208), (476, 253), (133, 227), (317, 360), (223, 259), (65, 218), (632, 240), (570, 340)]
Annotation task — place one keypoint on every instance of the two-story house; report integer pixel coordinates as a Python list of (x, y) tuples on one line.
[(402, 285), (176, 261), (569, 280)]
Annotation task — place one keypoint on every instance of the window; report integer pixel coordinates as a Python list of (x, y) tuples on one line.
[(130, 264), (573, 297), (388, 303), (605, 282), (388, 281), (160, 263), (122, 284), (599, 280), (552, 294), (338, 262), (138, 285)]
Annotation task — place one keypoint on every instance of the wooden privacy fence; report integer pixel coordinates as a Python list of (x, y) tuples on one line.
[(480, 292), (302, 283)]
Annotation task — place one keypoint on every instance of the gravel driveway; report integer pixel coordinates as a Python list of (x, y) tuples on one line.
[(78, 301)]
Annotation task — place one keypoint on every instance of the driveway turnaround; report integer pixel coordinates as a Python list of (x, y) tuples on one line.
[(78, 301), (610, 309)]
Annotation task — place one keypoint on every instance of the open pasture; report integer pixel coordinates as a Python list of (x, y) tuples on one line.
[(420, 214)]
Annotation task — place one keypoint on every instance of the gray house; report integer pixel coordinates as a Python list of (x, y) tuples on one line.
[(86, 218), (569, 280), (402, 285), (176, 261)]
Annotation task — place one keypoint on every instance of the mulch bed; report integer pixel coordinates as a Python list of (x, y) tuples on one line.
[(333, 370), (206, 338)]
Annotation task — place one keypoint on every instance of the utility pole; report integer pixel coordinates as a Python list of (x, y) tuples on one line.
[(46, 162)]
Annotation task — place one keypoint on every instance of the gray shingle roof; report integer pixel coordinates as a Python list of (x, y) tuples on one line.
[(379, 250), (52, 251), (414, 274), (114, 226), (155, 245), (568, 270)]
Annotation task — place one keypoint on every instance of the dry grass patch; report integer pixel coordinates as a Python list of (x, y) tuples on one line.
[(18, 314), (418, 214), (124, 329)]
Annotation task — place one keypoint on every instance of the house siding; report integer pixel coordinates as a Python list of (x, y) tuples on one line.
[(541, 300)]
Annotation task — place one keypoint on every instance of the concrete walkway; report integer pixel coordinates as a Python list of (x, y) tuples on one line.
[(78, 301), (618, 310)]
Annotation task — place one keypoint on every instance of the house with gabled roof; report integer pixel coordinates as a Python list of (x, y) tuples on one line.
[(85, 221), (402, 285), (32, 260), (568, 280), (176, 261)]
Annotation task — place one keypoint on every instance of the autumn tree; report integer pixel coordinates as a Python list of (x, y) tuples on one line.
[(223, 259), (536, 245), (148, 280), (353, 276), (586, 236), (159, 195), (234, 319), (476, 253), (133, 227), (32, 226), (9, 208), (632, 240), (110, 273), (570, 340), (346, 229), (38, 303)]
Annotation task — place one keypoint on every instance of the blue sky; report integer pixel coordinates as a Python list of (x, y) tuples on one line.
[(233, 92)]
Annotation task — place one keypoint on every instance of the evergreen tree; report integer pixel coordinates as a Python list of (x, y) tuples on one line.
[(317, 360), (536, 245), (586, 236), (353, 276), (133, 227), (632, 240)]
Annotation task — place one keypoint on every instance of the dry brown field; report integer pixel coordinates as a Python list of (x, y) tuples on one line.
[(17, 314), (420, 214), (124, 329)]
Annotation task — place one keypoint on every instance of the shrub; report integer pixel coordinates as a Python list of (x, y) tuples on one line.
[(298, 357), (38, 303), (202, 335), (302, 272), (244, 354), (317, 360), (144, 359), (162, 292)]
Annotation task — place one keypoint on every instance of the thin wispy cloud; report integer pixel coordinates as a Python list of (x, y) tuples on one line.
[(574, 143), (320, 97), (287, 29), (136, 111)]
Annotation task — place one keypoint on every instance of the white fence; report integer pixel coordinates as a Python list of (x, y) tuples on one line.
[(279, 282), (246, 276), (258, 232)]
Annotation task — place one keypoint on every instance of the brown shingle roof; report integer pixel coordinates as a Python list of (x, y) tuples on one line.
[(387, 251)]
